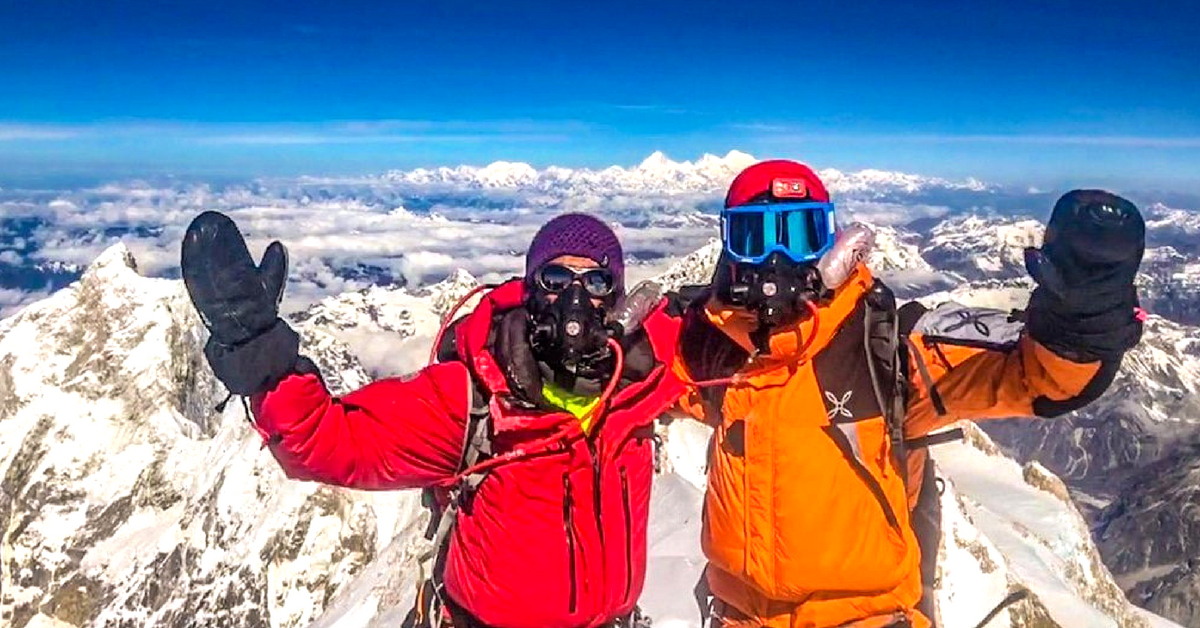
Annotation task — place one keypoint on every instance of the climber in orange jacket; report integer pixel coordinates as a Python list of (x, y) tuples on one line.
[(824, 394)]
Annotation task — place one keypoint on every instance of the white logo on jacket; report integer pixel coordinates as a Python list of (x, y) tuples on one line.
[(839, 405)]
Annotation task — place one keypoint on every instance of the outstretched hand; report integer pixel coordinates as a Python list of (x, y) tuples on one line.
[(236, 298), (1085, 303), (249, 347)]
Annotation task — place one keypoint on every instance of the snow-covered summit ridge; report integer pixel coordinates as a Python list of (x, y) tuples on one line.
[(659, 173), (1029, 530), (114, 261)]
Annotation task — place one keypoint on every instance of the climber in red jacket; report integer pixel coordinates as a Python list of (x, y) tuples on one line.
[(534, 428)]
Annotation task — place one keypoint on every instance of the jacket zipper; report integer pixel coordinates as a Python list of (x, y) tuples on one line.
[(595, 456), (628, 533), (568, 527), (877, 491), (865, 475)]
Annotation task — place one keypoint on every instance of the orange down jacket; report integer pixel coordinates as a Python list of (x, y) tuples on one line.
[(806, 516)]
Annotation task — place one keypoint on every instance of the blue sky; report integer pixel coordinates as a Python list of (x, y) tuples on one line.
[(1086, 93)]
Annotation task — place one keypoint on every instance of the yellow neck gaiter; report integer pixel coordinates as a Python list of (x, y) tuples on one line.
[(578, 405)]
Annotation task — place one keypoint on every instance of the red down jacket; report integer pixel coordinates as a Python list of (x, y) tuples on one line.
[(549, 541)]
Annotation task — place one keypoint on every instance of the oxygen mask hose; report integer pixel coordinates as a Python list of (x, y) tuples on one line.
[(618, 366)]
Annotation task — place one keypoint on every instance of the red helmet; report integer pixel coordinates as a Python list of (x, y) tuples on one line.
[(778, 180)]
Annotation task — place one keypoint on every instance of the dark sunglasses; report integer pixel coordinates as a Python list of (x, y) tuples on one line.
[(598, 282)]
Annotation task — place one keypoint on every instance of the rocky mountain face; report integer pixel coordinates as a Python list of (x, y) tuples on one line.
[(1148, 535), (127, 500), (1170, 284), (976, 248), (1020, 529)]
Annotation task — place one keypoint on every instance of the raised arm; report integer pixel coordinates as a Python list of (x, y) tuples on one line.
[(394, 433), (1004, 374), (1081, 319)]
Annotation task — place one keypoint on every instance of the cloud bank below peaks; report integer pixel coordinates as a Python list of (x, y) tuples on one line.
[(415, 227)]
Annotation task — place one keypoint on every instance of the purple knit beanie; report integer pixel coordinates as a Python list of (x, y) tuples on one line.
[(581, 235)]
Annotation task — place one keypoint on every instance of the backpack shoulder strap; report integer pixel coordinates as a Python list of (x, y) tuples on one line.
[(708, 353), (889, 375), (477, 446), (682, 298), (959, 325), (890, 349)]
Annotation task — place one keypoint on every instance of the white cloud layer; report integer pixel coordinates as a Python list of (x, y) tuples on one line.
[(285, 133), (786, 133), (418, 226), (26, 132)]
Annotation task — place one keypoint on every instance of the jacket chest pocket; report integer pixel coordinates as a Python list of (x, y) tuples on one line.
[(822, 510), (869, 468)]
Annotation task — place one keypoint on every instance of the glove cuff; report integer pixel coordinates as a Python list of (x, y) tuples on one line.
[(1103, 336), (258, 364)]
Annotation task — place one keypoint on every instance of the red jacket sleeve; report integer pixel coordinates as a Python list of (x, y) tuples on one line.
[(391, 434)]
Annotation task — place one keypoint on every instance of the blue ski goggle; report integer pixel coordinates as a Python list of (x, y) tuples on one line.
[(802, 231)]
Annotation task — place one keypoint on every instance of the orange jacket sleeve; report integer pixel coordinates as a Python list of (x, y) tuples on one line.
[(976, 383)]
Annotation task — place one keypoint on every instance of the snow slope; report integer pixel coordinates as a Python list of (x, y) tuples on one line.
[(1005, 527), (1027, 514)]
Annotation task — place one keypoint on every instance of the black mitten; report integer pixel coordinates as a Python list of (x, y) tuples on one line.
[(250, 347), (1085, 305)]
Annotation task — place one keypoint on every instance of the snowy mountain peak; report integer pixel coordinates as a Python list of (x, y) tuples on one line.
[(657, 163), (738, 157), (978, 247), (140, 505), (694, 269), (872, 182), (505, 174), (657, 174), (447, 293), (460, 277), (115, 260), (708, 165)]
